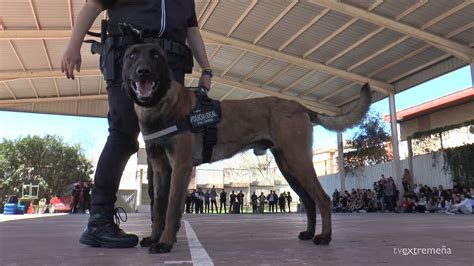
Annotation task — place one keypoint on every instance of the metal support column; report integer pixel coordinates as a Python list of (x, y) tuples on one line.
[(340, 161), (396, 154)]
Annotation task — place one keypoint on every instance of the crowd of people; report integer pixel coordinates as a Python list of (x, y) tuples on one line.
[(199, 201), (417, 198)]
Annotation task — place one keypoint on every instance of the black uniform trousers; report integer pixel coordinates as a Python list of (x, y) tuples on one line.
[(121, 144)]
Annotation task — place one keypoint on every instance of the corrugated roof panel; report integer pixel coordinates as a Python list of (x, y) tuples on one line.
[(16, 14), (65, 108), (259, 18), (219, 90), (92, 108), (67, 87), (4, 93), (53, 14), (223, 58), (329, 87), (21, 88), (44, 87), (56, 49), (18, 108), (318, 32), (289, 77), (391, 9), (31, 54), (389, 56), (466, 37), (8, 61), (199, 6), (364, 4), (366, 49), (411, 63), (104, 86), (90, 85), (237, 95), (268, 70), (338, 98), (343, 40), (295, 19), (245, 65), (225, 15), (454, 22), (347, 94), (429, 11), (310, 82)]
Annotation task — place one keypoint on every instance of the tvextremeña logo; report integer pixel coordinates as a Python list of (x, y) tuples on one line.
[(443, 250)]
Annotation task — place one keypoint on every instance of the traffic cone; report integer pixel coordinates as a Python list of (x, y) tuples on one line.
[(30, 209)]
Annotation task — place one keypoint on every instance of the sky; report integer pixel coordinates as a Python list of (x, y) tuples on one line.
[(91, 133)]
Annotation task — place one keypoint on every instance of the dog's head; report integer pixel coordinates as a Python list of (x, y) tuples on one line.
[(145, 73)]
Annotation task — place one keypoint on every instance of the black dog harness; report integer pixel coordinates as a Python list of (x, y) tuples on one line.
[(204, 117)]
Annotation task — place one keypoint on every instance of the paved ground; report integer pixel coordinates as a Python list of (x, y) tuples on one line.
[(269, 239)]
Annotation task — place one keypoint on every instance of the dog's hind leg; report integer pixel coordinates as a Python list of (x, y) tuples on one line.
[(308, 202), (294, 153)]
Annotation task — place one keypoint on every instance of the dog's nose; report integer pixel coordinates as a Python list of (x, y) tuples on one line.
[(143, 71)]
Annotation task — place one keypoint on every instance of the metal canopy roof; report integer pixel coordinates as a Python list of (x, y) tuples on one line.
[(317, 52)]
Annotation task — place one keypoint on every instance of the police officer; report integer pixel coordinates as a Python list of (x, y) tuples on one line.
[(170, 20)]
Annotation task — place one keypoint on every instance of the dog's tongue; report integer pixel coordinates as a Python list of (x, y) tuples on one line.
[(144, 88)]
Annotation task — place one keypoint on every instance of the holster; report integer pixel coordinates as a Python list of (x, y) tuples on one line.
[(106, 49)]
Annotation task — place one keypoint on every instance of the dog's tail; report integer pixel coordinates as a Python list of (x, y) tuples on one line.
[(349, 119)]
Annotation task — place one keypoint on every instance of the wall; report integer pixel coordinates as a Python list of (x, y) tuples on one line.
[(427, 170)]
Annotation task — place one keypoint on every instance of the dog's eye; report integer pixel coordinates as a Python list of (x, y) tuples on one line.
[(133, 56), (156, 56)]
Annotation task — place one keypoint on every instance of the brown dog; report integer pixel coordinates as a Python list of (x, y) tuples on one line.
[(283, 126)]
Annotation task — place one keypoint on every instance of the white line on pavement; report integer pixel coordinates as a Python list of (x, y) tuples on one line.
[(198, 253)]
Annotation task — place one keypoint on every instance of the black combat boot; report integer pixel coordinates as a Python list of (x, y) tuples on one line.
[(102, 231)]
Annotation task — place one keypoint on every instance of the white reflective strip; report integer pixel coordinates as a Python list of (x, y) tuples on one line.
[(198, 253), (160, 133)]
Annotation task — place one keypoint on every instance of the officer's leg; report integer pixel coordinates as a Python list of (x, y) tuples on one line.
[(121, 144)]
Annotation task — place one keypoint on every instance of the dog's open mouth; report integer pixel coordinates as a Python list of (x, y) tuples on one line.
[(144, 88)]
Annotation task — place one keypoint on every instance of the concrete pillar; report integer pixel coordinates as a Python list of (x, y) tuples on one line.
[(340, 160), (410, 154), (139, 189), (396, 154), (472, 74)]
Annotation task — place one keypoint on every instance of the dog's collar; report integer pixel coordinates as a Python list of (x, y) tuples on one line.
[(204, 117)]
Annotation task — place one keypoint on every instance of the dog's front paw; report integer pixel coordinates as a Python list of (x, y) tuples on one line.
[(305, 235), (148, 241), (160, 248), (321, 240)]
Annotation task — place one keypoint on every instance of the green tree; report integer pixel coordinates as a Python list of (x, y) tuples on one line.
[(367, 145), (46, 161)]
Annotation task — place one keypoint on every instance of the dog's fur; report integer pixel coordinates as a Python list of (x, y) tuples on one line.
[(283, 126)]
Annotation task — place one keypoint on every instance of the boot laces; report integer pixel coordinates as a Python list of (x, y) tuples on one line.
[(118, 215)]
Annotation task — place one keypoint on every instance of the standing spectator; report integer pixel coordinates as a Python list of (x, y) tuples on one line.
[(289, 199), (254, 199), (407, 181), (86, 194), (282, 202), (207, 200), (262, 199), (388, 194), (271, 201), (240, 200), (276, 200), (378, 188), (189, 200), (213, 199), (232, 201), (193, 200), (76, 197), (223, 201)]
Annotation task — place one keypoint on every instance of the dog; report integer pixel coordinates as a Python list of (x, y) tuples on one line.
[(282, 126)]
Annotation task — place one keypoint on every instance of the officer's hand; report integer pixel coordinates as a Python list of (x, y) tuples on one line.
[(71, 60), (205, 81)]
